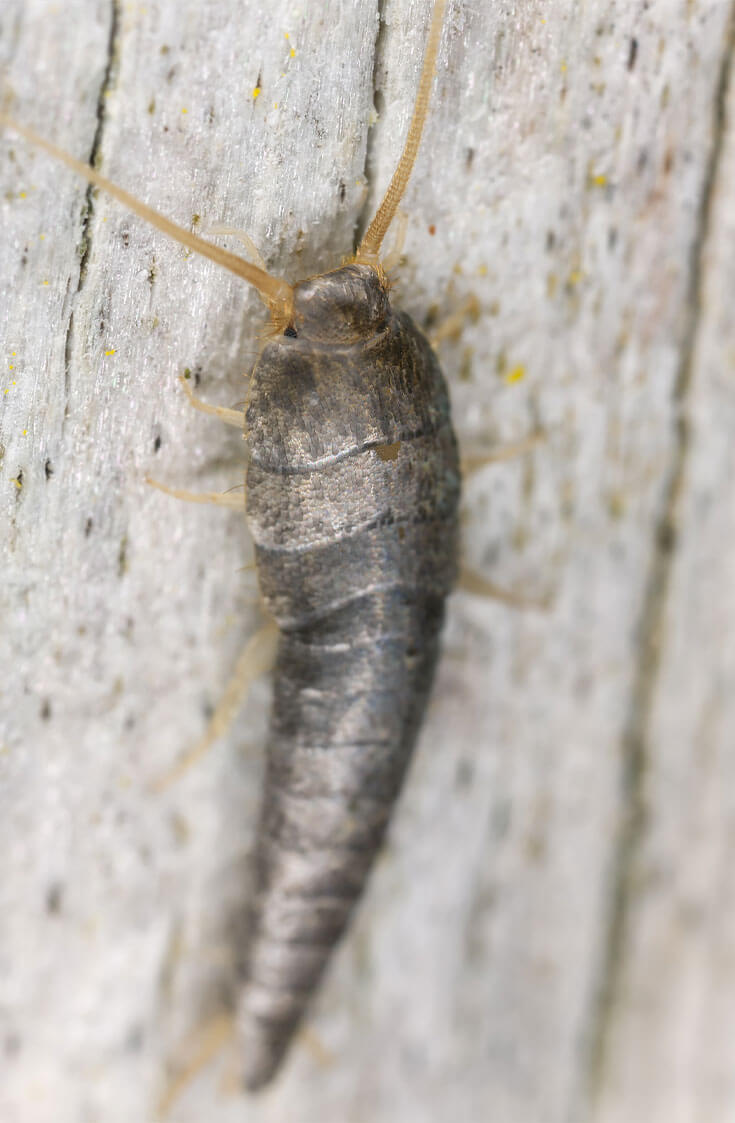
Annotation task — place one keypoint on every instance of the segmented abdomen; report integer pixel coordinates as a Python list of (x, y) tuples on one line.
[(355, 560)]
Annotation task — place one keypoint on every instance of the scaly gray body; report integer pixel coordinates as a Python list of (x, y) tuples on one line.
[(352, 493)]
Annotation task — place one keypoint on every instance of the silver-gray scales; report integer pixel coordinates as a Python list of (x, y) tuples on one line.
[(353, 488)]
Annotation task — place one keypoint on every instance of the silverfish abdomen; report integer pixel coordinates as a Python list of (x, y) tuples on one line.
[(352, 494)]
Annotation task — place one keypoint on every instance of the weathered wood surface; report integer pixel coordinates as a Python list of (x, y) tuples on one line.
[(549, 934)]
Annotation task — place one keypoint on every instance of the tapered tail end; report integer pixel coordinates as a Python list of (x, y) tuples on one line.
[(264, 1045)]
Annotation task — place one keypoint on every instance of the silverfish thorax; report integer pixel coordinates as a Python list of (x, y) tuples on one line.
[(352, 494)]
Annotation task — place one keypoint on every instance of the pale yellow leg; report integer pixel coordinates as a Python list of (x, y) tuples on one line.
[(309, 1038), (211, 1038), (451, 327), (230, 1083), (256, 659), (234, 417), (474, 463), (478, 586), (218, 498), (218, 230), (393, 258), (203, 1045)]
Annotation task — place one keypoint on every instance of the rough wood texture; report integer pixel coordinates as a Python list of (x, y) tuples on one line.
[(549, 934)]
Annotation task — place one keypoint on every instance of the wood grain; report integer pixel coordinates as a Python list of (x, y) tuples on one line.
[(548, 935)]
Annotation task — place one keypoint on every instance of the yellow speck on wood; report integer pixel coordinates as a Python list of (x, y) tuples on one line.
[(17, 482), (563, 68), (111, 351), (598, 180), (616, 504), (256, 92), (292, 52), (184, 109), (482, 270), (517, 374)]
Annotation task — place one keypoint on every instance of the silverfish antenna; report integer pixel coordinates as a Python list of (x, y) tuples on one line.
[(369, 248), (277, 294)]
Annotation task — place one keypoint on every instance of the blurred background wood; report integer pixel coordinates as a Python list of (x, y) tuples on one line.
[(549, 933)]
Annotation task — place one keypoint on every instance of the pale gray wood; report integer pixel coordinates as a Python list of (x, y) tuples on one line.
[(533, 946), (672, 1003)]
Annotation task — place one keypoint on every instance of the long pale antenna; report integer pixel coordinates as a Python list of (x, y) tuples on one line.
[(277, 294), (370, 244)]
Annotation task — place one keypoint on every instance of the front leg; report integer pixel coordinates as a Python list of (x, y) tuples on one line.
[(234, 417)]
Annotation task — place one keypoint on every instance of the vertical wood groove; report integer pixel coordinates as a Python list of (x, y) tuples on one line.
[(652, 635)]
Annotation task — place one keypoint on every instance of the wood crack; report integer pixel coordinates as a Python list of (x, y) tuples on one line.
[(88, 207), (368, 206), (651, 634)]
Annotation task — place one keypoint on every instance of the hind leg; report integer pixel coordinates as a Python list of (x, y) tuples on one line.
[(202, 1047), (474, 583), (475, 462), (217, 1035), (257, 658), (478, 586)]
